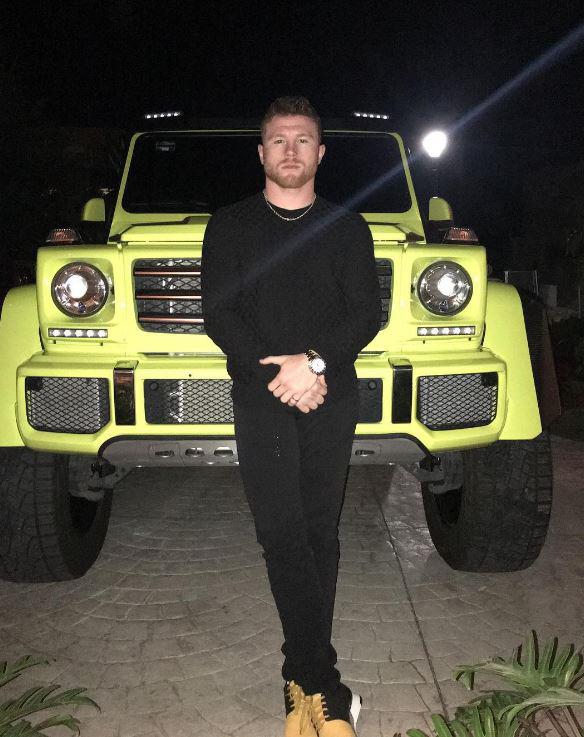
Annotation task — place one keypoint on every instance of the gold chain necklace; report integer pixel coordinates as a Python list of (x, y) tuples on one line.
[(282, 217)]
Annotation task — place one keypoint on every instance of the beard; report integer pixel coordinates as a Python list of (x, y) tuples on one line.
[(290, 178)]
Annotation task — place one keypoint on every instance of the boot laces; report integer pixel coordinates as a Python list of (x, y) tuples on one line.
[(319, 710), (303, 703)]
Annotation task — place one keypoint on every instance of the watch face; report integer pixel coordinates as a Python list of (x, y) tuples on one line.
[(318, 365)]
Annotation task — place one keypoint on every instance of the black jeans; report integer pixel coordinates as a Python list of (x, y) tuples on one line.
[(294, 470)]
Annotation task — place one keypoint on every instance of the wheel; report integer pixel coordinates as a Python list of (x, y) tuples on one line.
[(498, 519), (50, 532)]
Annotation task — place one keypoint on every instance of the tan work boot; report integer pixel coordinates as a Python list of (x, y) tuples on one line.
[(298, 709), (335, 715)]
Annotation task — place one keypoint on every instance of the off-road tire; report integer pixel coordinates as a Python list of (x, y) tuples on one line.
[(498, 519), (47, 534)]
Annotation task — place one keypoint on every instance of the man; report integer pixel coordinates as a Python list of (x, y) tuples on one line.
[(290, 294)]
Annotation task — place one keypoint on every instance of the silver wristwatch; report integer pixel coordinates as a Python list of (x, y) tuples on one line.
[(316, 363)]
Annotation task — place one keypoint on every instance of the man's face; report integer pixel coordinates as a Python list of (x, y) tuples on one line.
[(290, 151)]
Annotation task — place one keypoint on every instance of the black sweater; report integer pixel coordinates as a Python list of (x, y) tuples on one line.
[(272, 287)]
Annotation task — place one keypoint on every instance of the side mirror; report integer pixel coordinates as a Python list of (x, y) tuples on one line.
[(94, 211), (439, 211)]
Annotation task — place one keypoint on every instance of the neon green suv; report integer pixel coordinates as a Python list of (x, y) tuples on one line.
[(105, 364)]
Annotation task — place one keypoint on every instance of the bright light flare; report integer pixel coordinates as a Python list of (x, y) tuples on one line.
[(434, 143)]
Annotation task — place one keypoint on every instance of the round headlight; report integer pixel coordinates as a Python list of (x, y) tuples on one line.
[(444, 288), (79, 289)]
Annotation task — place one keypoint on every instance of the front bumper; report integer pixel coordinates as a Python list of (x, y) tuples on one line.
[(410, 407)]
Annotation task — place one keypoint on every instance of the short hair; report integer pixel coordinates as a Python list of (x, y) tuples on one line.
[(288, 105)]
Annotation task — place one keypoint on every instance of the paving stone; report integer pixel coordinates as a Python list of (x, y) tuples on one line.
[(400, 672), (396, 632), (199, 643), (113, 702), (159, 649), (233, 680), (396, 612), (407, 651), (137, 631), (385, 697), (120, 675), (358, 671), (195, 691), (102, 727), (139, 726), (264, 726), (228, 713), (376, 653), (267, 696), (112, 610), (184, 724), (84, 650), (353, 631), (152, 697), (358, 612), (391, 724), (158, 671), (202, 664), (122, 651)]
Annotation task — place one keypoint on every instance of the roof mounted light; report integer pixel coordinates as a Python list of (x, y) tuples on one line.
[(378, 116), (434, 143), (63, 237), (460, 235), (166, 114)]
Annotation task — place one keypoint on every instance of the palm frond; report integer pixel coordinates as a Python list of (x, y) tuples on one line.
[(550, 698), (479, 721), (26, 729), (530, 670), (10, 671), (497, 701), (40, 698)]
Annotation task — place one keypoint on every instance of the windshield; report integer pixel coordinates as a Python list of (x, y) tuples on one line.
[(200, 172)]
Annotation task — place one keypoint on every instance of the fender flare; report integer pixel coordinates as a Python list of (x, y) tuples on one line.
[(20, 339), (506, 336)]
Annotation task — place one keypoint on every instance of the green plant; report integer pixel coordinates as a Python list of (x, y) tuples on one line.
[(34, 700), (542, 682)]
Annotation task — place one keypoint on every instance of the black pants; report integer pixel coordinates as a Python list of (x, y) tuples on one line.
[(294, 469)]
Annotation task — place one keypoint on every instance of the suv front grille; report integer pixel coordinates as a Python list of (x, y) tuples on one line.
[(208, 401), (67, 404), (456, 401), (384, 274), (168, 294)]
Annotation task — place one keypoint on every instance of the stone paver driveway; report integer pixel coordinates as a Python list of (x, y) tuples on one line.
[(175, 633)]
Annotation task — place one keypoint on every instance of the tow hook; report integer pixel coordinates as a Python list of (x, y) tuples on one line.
[(441, 473), (92, 480), (105, 476)]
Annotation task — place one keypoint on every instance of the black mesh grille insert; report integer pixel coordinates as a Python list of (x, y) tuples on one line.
[(457, 400), (158, 280), (208, 401), (190, 401), (67, 404)]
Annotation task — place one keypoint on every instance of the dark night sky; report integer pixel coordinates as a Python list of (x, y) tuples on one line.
[(426, 63)]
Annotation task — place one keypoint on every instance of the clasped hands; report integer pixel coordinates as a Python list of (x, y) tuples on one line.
[(295, 384)]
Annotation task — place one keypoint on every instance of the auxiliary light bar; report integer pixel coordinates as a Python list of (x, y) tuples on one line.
[(77, 333), (379, 116), (170, 114), (458, 330)]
